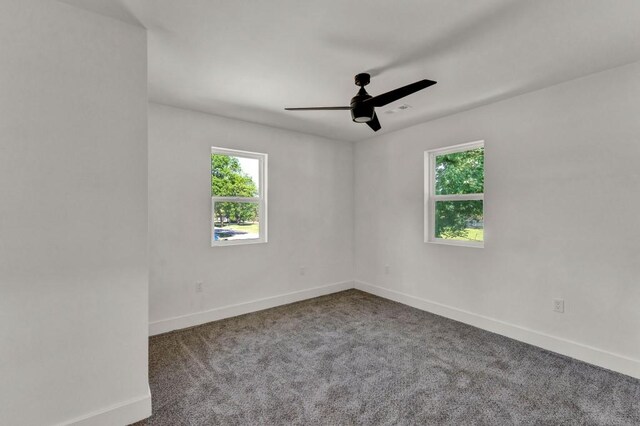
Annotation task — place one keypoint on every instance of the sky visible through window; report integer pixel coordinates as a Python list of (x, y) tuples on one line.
[(251, 167)]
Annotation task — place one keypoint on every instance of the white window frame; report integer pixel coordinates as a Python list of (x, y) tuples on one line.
[(430, 196), (261, 199)]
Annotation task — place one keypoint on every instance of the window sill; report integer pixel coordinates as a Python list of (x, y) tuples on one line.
[(455, 243), (237, 242)]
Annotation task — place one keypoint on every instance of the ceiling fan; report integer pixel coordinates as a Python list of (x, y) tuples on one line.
[(363, 104)]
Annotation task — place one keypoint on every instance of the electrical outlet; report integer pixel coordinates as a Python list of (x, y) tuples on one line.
[(199, 286), (303, 270), (558, 305)]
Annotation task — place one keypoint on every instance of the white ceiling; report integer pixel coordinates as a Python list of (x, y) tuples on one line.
[(249, 59)]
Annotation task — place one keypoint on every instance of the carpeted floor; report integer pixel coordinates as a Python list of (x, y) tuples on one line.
[(353, 358)]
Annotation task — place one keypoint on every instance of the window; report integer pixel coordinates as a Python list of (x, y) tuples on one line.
[(454, 195), (238, 197)]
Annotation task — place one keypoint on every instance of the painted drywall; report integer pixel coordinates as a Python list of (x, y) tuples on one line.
[(561, 218), (73, 217), (310, 214)]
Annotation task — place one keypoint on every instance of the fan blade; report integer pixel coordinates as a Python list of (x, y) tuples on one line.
[(394, 95), (374, 124), (319, 108)]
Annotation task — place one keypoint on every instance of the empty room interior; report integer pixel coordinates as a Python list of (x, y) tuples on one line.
[(423, 212)]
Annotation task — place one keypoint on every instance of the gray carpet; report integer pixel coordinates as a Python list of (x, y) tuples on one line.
[(353, 358)]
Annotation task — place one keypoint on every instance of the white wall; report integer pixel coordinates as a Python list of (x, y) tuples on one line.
[(562, 204), (73, 216), (310, 209)]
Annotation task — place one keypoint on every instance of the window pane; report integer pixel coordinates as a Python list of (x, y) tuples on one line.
[(235, 221), (460, 172), (233, 176), (459, 220)]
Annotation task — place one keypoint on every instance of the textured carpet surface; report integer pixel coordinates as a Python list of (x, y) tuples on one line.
[(353, 358)]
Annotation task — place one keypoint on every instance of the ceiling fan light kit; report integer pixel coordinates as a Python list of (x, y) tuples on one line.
[(363, 105), (361, 116)]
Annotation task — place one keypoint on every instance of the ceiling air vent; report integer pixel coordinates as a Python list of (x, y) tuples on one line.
[(398, 109)]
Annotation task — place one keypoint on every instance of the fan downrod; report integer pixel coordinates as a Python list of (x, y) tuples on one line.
[(362, 79)]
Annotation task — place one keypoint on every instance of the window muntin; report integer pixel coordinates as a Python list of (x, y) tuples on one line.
[(238, 197), (454, 195)]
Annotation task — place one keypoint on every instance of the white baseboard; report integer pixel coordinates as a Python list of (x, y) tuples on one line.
[(582, 352), (121, 414), (197, 318), (589, 354)]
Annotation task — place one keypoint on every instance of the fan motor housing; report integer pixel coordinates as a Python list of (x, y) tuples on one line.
[(361, 113)]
